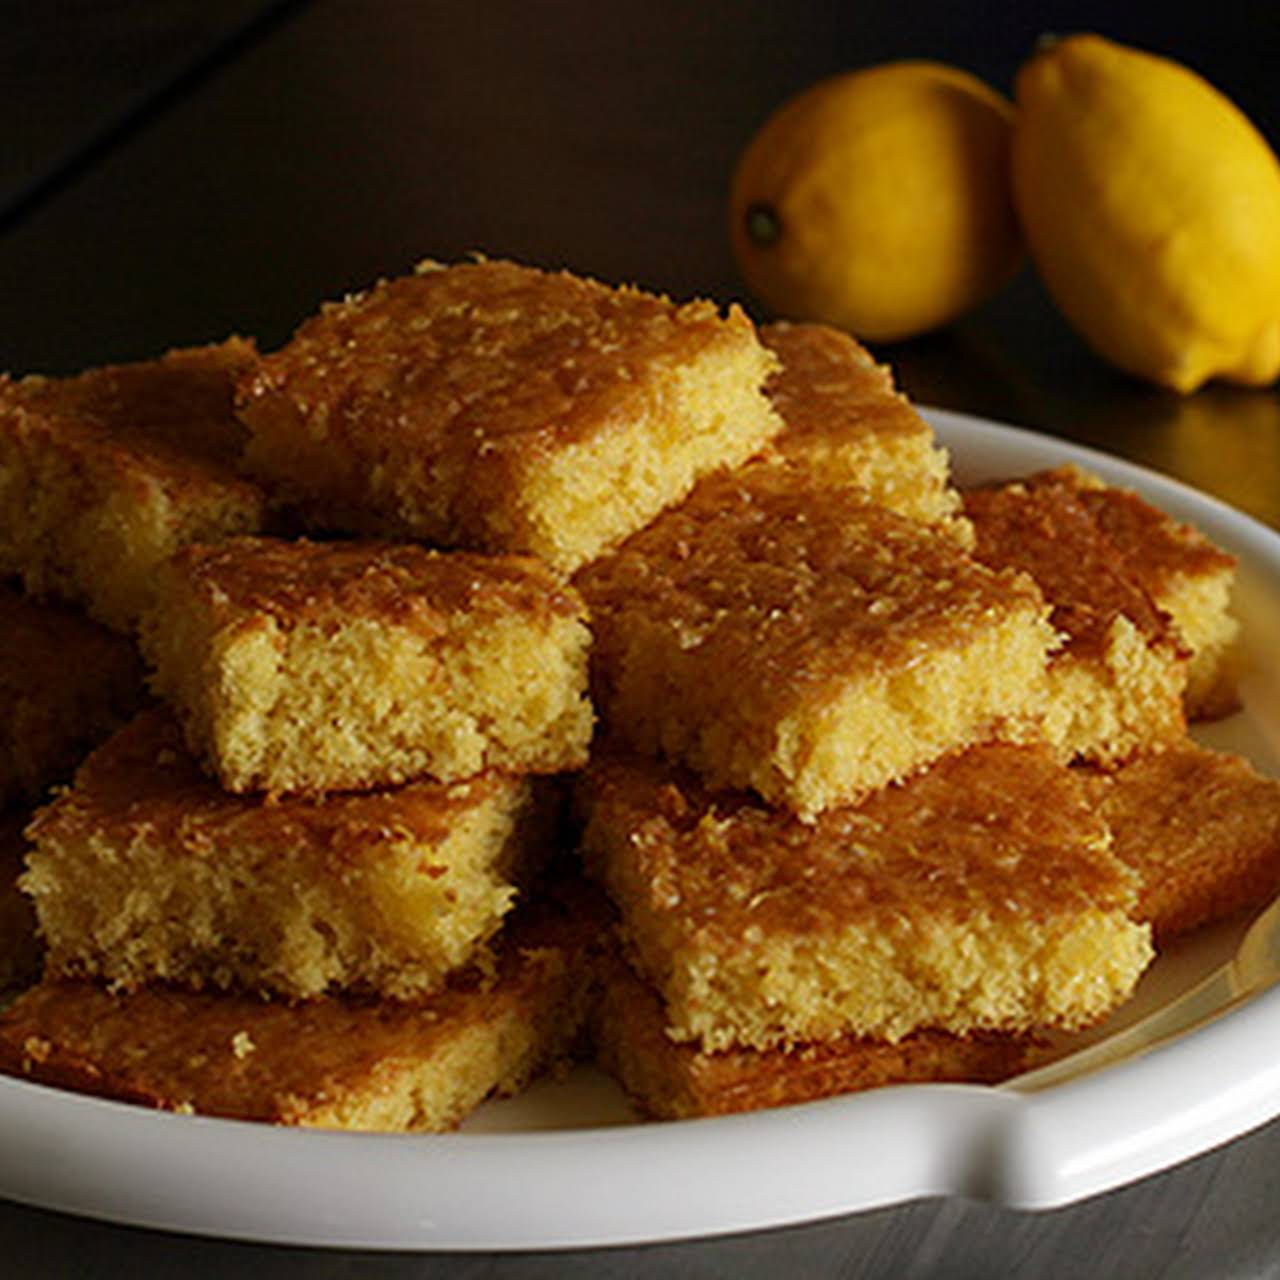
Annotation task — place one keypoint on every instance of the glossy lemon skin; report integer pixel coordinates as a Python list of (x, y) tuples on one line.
[(878, 201), (1151, 206)]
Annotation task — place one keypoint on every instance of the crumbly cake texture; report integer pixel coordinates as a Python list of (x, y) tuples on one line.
[(497, 407), (145, 870), (336, 1062), (105, 474), (1115, 685), (19, 946), (844, 418), (307, 667), (670, 1081), (1202, 830), (980, 895), (66, 684), (1187, 576), (781, 633)]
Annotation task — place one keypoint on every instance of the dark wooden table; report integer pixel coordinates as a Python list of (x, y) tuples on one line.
[(178, 172)]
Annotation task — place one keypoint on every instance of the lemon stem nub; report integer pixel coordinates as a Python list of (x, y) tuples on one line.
[(763, 225)]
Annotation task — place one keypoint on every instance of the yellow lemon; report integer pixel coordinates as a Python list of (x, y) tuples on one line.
[(1152, 209), (878, 201)]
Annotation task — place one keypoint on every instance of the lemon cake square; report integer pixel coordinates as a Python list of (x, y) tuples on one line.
[(66, 683), (785, 634), (845, 418), (307, 667), (981, 895), (497, 407), (1202, 830), (144, 870), (667, 1080), (334, 1062), (1186, 575), (1116, 682), (105, 474)]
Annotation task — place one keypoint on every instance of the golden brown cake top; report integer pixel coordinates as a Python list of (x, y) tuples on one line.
[(1200, 827), (470, 359), (770, 568), (301, 582), (176, 411), (1047, 531), (40, 643), (1002, 831), (1160, 548), (142, 784), (255, 1059), (829, 384)]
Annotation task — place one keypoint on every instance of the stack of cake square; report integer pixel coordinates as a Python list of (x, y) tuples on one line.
[(341, 806), (344, 797), (102, 476), (66, 683), (857, 835), (1150, 643), (888, 782), (366, 803), (834, 809)]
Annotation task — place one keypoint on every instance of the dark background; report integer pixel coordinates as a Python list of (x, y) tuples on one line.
[(173, 172), (362, 135), (320, 146)]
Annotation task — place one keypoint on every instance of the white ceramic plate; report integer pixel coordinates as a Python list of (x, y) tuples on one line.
[(567, 1166)]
